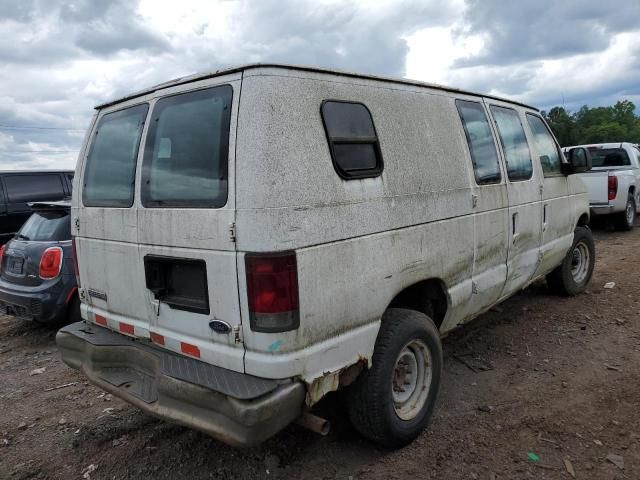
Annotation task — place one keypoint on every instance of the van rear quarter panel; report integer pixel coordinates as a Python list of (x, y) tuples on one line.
[(358, 242)]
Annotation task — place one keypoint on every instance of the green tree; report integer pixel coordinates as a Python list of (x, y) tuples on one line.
[(616, 123)]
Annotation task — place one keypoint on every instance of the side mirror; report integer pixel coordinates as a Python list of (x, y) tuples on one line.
[(578, 161)]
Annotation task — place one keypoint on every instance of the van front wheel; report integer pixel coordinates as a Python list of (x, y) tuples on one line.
[(574, 274), (392, 402)]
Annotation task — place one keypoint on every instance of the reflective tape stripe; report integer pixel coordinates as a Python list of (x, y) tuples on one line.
[(126, 328), (190, 349)]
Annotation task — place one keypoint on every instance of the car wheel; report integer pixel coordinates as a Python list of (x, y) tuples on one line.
[(392, 402), (574, 274), (625, 220), (73, 310)]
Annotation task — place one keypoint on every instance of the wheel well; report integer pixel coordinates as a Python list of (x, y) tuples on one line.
[(427, 296), (583, 221)]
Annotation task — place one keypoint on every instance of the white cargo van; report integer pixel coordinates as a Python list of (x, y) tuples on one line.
[(251, 239)]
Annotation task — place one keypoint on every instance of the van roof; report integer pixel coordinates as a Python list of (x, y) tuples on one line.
[(240, 68)]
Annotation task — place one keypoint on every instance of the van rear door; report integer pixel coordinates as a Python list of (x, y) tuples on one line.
[(105, 221), (186, 223), (158, 261)]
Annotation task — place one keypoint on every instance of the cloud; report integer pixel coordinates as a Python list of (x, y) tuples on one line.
[(544, 29), (59, 58)]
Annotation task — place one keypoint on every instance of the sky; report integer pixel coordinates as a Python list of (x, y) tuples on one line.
[(60, 58)]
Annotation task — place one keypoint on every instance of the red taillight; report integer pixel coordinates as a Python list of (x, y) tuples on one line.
[(1, 256), (272, 290), (50, 263), (613, 187), (76, 270)]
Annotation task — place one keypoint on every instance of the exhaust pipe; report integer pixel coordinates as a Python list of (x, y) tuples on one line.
[(314, 423)]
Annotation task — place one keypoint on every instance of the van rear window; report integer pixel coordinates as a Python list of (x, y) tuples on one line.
[(186, 152), (111, 165)]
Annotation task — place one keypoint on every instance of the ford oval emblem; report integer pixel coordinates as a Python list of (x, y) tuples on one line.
[(219, 326)]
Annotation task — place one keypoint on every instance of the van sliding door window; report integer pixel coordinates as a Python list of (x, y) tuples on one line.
[(353, 141), (186, 152), (546, 146), (480, 139), (514, 143), (111, 164)]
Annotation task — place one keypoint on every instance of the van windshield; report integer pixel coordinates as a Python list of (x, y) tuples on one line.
[(54, 226), (609, 157)]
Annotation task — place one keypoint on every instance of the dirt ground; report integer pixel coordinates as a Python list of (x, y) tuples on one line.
[(536, 382)]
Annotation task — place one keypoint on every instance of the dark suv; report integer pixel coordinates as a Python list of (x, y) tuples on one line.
[(37, 273), (17, 189)]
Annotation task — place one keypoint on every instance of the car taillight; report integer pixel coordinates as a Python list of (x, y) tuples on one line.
[(613, 187), (272, 290), (76, 270), (1, 256), (51, 263)]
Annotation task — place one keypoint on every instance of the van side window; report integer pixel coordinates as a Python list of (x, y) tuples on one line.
[(111, 164), (514, 143), (187, 149), (352, 137), (33, 188), (480, 140), (545, 144)]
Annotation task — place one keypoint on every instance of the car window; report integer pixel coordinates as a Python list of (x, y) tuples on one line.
[(32, 188), (514, 143), (54, 226), (480, 140), (111, 165), (353, 141), (609, 157), (545, 145), (187, 149)]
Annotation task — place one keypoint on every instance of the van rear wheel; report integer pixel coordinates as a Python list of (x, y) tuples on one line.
[(575, 271), (392, 402)]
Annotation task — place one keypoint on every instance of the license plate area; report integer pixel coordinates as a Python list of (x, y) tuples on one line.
[(15, 265), (181, 283)]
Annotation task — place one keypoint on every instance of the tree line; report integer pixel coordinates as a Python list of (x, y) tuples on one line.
[(617, 123)]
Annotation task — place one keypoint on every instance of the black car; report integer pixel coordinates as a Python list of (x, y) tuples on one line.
[(18, 189), (37, 267)]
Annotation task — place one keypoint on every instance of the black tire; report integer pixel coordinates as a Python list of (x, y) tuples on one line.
[(624, 220), (563, 280), (73, 310), (370, 398)]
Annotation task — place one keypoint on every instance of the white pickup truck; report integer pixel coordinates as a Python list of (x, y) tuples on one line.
[(613, 181)]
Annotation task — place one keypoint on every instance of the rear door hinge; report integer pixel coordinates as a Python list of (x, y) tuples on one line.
[(77, 224), (232, 232), (237, 334), (474, 287), (474, 200)]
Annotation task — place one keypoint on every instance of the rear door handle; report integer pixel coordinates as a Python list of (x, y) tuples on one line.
[(544, 218), (514, 226)]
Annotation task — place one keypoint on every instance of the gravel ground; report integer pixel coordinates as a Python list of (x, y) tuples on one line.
[(542, 377)]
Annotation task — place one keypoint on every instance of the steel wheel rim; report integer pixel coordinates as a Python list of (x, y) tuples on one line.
[(630, 213), (411, 379), (580, 259)]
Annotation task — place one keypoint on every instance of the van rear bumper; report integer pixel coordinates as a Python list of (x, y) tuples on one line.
[(235, 408)]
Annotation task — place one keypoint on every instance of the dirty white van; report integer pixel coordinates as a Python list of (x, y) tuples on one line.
[(251, 239)]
